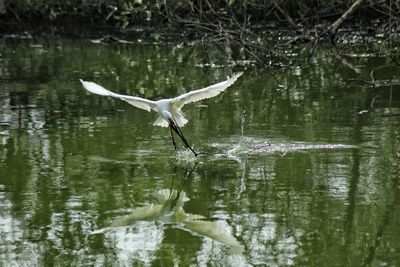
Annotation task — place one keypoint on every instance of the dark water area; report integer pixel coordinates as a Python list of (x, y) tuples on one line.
[(304, 168)]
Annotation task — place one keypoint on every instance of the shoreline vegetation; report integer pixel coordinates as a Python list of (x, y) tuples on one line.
[(209, 16), (255, 26)]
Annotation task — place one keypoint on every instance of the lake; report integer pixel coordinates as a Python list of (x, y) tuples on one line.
[(303, 168)]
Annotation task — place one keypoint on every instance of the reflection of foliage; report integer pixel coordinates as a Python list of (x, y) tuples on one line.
[(69, 160), (137, 70)]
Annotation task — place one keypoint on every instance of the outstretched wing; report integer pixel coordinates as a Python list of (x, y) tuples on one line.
[(138, 102), (210, 91)]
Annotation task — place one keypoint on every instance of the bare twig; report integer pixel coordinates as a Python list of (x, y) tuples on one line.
[(345, 62), (335, 26), (332, 29), (373, 101), (314, 48), (2, 7), (286, 15), (395, 60)]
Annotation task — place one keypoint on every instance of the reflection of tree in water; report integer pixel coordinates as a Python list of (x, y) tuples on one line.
[(287, 205)]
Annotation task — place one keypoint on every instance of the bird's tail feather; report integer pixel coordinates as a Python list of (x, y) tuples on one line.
[(161, 122), (180, 119)]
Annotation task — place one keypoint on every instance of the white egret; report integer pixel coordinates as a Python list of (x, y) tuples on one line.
[(169, 110)]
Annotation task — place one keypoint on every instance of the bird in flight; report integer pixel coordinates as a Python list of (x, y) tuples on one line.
[(169, 110)]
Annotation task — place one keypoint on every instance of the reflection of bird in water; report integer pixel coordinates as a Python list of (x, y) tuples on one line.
[(169, 110), (170, 210)]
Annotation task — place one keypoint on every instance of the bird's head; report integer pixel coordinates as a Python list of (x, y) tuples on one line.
[(167, 115)]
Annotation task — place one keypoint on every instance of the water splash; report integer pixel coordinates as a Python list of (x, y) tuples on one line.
[(260, 146), (242, 145), (243, 120), (185, 156), (293, 147)]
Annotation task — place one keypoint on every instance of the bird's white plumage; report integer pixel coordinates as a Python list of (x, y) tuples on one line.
[(138, 102), (208, 92), (172, 105)]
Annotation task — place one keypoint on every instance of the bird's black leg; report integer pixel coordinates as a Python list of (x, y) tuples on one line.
[(187, 144), (173, 139), (175, 127)]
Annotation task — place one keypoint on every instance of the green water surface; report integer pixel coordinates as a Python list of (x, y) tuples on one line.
[(304, 168)]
